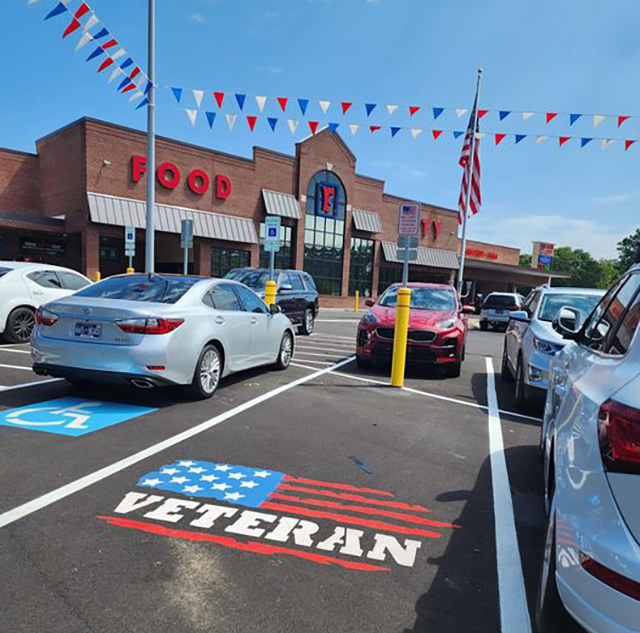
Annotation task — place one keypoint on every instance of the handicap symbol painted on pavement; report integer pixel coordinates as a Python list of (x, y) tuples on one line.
[(70, 416)]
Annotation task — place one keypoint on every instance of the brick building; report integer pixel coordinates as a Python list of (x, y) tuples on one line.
[(68, 204)]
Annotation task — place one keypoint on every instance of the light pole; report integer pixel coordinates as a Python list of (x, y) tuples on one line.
[(151, 145)]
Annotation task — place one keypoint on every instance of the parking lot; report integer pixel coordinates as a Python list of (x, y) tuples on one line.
[(316, 499)]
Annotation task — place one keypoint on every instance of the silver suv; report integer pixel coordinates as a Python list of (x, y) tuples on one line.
[(496, 307)]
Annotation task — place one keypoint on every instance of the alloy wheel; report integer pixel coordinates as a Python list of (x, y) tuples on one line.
[(23, 325), (308, 321), (210, 371), (286, 350)]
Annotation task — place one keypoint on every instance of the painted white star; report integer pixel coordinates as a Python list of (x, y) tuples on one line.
[(169, 471), (261, 473), (224, 468), (151, 482), (234, 496), (236, 476), (197, 470), (186, 464), (249, 484), (220, 486), (208, 478), (179, 480), (192, 489)]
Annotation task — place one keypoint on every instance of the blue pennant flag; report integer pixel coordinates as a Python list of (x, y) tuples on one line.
[(96, 53), (126, 63), (273, 121), (394, 131), (520, 137), (585, 141), (57, 10), (370, 107), (143, 103), (125, 82), (457, 133), (177, 93), (241, 99), (437, 112), (148, 87), (304, 104), (100, 34), (503, 114), (211, 117), (333, 127), (573, 118)]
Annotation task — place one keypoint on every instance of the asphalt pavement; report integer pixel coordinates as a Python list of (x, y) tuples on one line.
[(315, 499)]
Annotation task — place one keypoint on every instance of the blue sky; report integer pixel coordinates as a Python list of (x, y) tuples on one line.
[(569, 56)]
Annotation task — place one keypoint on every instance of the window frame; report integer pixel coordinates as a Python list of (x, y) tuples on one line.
[(44, 271)]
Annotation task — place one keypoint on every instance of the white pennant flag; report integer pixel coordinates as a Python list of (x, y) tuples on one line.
[(415, 132), (606, 142), (480, 135), (541, 139), (91, 22), (293, 125), (83, 41), (598, 119), (261, 100), (527, 115), (392, 108), (354, 127), (231, 120), (192, 114), (460, 112), (198, 95), (118, 54), (116, 73), (136, 95), (324, 106)]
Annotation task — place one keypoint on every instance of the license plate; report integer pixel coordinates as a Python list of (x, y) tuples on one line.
[(88, 330)]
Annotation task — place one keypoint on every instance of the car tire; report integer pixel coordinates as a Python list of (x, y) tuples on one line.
[(285, 354), (20, 324), (454, 370), (207, 374), (521, 396), (484, 326), (308, 322), (505, 372), (362, 362)]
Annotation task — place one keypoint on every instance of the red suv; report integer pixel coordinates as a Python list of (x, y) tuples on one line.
[(437, 328)]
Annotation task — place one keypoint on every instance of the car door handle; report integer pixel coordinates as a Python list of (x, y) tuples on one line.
[(254, 320), (219, 320), (38, 292)]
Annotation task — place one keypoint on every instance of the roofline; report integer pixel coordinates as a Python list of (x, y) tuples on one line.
[(18, 152)]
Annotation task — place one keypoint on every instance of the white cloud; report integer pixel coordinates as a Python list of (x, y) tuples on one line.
[(197, 17), (618, 198)]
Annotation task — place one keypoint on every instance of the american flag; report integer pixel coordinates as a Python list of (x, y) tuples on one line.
[(473, 166)]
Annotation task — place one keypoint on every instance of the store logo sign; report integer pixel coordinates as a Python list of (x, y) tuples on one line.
[(326, 200)]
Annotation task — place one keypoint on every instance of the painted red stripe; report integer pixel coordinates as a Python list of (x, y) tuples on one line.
[(345, 518), (328, 484), (249, 546), (347, 497), (363, 510)]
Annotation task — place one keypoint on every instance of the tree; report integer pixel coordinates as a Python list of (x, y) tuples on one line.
[(627, 251), (583, 269), (525, 261), (609, 272)]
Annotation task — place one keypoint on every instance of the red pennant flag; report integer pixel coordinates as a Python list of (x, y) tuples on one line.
[(374, 128), (105, 64), (481, 113), (621, 120), (283, 102), (219, 97), (551, 116), (135, 73), (345, 106), (73, 26), (251, 120), (110, 43), (83, 9), (131, 86), (413, 110), (563, 139), (628, 144), (499, 138), (314, 126), (436, 134)]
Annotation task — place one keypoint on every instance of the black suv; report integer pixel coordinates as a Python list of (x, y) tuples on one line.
[(296, 292)]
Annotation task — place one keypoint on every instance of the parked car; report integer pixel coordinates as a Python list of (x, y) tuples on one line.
[(531, 341), (296, 293), (496, 307), (155, 330), (24, 287), (437, 328), (591, 445)]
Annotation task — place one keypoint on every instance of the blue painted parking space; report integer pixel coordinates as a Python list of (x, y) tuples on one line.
[(71, 416)]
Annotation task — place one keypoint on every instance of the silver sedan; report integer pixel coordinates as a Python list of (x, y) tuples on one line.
[(155, 330)]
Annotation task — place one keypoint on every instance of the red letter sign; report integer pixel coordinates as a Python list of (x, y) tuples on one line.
[(328, 194), (223, 186), (198, 181), (138, 168), (171, 180)]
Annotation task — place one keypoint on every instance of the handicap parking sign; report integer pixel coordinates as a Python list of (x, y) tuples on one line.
[(70, 416)]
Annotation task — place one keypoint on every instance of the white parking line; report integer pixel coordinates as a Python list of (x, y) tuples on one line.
[(331, 337), (313, 362), (15, 351), (326, 349), (514, 613), (69, 489), (16, 367), (337, 320), (30, 384), (298, 352)]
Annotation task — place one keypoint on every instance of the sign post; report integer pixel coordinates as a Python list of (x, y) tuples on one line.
[(272, 245), (186, 241), (130, 246)]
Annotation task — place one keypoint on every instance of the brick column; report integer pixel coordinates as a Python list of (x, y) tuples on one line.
[(298, 257), (377, 263), (346, 255), (202, 258), (91, 252)]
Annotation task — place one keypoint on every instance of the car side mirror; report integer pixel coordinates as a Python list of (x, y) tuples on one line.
[(369, 303), (468, 310), (568, 322), (274, 308), (285, 287), (519, 315)]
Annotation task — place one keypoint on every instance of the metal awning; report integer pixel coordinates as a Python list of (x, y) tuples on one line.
[(433, 257), (367, 221), (123, 212), (282, 204)]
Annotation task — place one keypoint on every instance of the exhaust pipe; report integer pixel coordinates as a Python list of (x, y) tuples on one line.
[(142, 383)]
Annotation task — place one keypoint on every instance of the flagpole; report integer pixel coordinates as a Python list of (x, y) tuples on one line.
[(472, 147), (151, 145)]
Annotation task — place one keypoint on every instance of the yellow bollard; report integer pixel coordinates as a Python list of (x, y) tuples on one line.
[(98, 276), (270, 293), (400, 337), (130, 270), (357, 299)]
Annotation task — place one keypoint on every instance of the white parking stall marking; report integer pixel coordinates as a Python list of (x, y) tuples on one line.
[(299, 353), (326, 349), (16, 367), (331, 336), (514, 613), (69, 489), (31, 384), (313, 362), (15, 351), (337, 320)]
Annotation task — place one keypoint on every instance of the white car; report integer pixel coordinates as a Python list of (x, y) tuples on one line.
[(24, 287), (531, 341), (591, 445), (496, 307)]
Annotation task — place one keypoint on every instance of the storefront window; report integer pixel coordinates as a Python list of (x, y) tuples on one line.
[(361, 267), (389, 274), (324, 231), (225, 259), (284, 257)]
